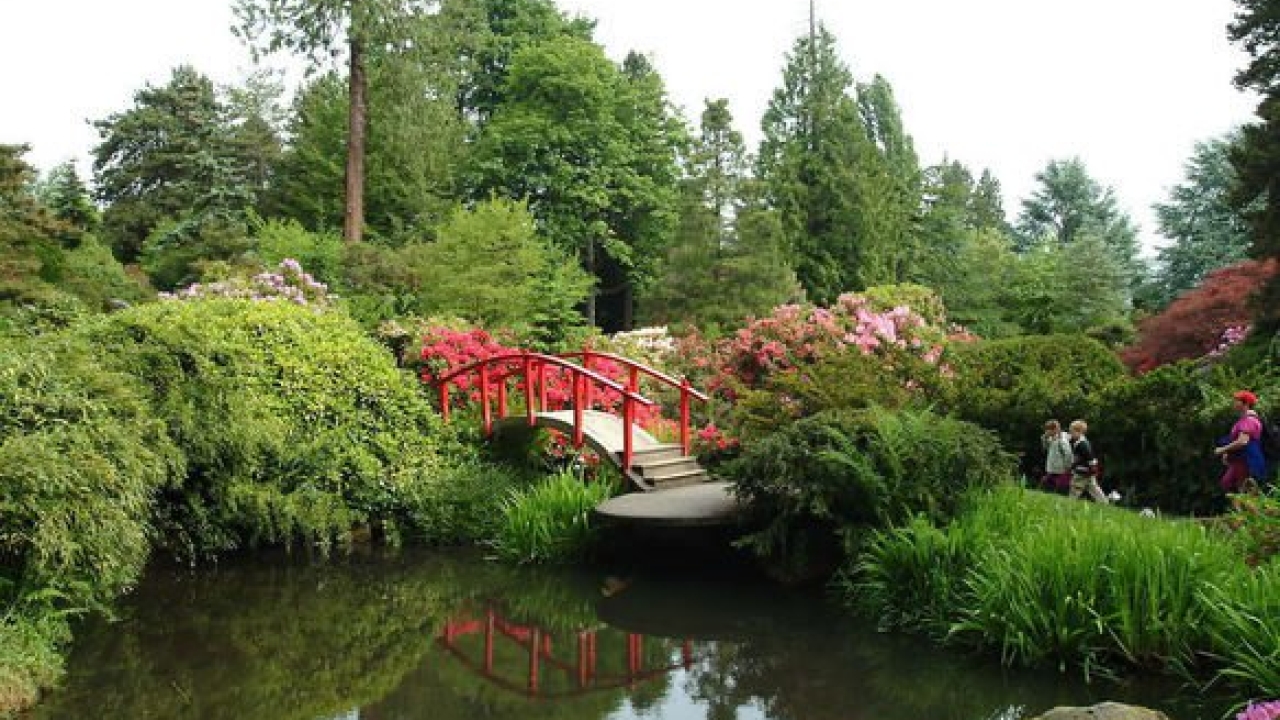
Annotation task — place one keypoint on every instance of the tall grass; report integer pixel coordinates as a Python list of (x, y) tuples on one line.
[(551, 521), (1244, 629), (1042, 580)]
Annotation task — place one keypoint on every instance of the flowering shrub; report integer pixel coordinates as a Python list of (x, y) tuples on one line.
[(796, 335), (1231, 337), (290, 282), (1261, 711)]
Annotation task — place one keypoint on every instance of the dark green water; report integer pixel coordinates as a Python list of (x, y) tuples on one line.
[(438, 636)]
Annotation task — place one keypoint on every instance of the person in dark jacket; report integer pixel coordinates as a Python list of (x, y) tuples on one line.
[(1084, 465)]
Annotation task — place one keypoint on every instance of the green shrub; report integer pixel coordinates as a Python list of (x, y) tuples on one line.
[(280, 240), (1162, 427), (875, 467), (1012, 386), (551, 521), (80, 462), (294, 424)]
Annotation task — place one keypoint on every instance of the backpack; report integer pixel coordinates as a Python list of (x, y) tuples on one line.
[(1270, 441)]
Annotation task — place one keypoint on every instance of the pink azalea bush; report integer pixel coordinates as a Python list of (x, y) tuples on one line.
[(795, 335), (289, 283)]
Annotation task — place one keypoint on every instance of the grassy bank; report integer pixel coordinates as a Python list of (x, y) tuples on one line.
[(1044, 581)]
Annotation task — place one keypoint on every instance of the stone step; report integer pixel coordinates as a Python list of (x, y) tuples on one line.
[(681, 479), (655, 453), (658, 468)]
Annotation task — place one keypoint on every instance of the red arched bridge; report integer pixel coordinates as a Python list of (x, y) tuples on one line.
[(535, 389), (591, 408), (581, 665)]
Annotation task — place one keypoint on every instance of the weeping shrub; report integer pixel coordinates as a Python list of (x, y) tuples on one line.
[(294, 424), (80, 461), (550, 522)]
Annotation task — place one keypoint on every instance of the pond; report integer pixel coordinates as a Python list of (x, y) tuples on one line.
[(450, 636)]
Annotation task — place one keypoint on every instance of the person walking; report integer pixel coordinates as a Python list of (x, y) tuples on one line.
[(1084, 465), (1057, 459), (1241, 451)]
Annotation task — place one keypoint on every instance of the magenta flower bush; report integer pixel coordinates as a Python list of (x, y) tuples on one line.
[(289, 283), (1261, 711)]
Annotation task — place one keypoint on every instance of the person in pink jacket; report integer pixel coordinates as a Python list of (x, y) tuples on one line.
[(1241, 451)]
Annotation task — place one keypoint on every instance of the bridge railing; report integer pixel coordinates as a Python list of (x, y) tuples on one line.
[(635, 370), (532, 369)]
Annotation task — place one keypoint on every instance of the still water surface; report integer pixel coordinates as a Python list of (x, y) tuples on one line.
[(448, 636)]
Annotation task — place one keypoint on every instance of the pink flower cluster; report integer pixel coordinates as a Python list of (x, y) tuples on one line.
[(712, 438), (1261, 711), (796, 335), (1230, 337), (289, 283)]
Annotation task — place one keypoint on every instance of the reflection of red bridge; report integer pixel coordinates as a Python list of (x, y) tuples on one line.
[(537, 643)]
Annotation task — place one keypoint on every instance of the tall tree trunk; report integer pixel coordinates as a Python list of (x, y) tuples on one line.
[(353, 219), (628, 307), (591, 270)]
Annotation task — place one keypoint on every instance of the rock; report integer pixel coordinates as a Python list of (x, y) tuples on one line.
[(1103, 711)]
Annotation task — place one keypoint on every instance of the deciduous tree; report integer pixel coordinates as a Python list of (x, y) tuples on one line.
[(1194, 323)]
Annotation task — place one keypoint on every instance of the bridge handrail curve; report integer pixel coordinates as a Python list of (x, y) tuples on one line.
[(608, 382), (681, 384), (581, 394)]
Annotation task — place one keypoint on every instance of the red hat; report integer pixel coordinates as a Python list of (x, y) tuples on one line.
[(1246, 397)]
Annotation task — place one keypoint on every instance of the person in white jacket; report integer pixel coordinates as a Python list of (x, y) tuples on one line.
[(1057, 460)]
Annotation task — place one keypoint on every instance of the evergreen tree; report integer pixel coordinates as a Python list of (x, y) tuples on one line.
[(1069, 205), (727, 259), (1206, 231), (812, 161), (986, 205), (67, 197), (1256, 158), (168, 161), (891, 188), (416, 143)]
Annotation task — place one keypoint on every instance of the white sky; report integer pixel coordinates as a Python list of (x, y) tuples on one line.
[(1128, 85)]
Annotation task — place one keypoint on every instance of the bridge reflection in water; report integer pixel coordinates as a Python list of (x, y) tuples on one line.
[(582, 667)]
